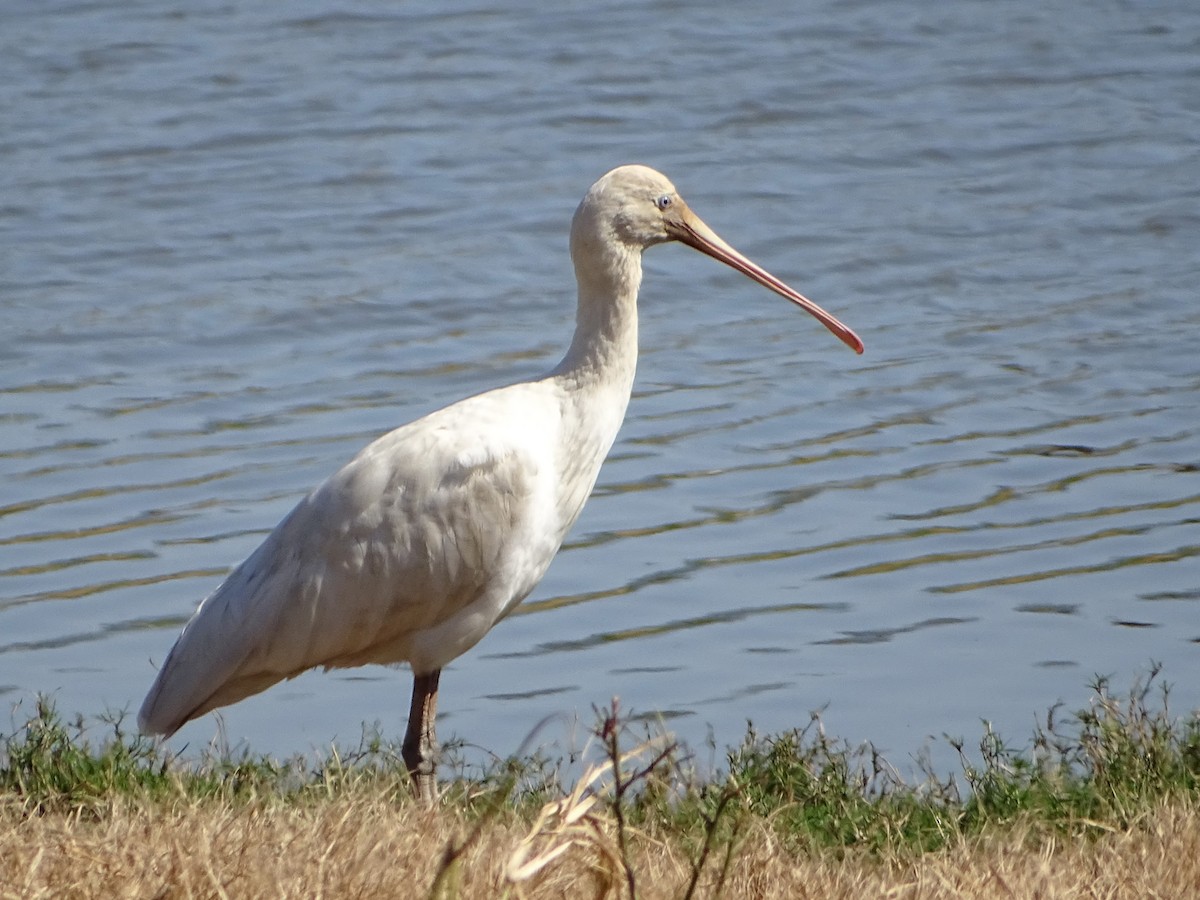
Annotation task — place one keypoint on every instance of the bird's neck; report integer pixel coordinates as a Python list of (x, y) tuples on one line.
[(595, 378), (603, 351)]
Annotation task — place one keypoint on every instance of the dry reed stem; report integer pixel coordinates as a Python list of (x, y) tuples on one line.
[(571, 820), (366, 847)]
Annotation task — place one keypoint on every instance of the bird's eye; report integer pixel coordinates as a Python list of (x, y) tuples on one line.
[(663, 202)]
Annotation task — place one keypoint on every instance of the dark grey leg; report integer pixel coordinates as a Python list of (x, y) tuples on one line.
[(420, 748)]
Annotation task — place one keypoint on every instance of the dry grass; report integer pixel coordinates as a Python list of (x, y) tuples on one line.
[(366, 847), (1105, 805)]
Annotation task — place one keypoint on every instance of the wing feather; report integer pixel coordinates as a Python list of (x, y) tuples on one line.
[(443, 517)]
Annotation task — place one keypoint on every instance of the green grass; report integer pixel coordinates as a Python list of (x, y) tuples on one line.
[(1098, 769), (48, 765)]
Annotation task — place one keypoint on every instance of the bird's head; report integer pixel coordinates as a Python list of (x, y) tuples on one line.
[(635, 207)]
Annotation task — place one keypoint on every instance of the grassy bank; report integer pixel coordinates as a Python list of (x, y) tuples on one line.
[(1102, 802)]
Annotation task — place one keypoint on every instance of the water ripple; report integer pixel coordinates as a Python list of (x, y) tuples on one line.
[(239, 242)]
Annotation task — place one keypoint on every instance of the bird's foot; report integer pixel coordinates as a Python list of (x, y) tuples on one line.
[(420, 748), (421, 761)]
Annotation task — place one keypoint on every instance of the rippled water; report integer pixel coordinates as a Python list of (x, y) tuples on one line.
[(238, 241)]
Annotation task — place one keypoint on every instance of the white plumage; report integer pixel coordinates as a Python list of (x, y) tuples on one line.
[(434, 532)]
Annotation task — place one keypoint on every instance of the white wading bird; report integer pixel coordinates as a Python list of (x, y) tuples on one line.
[(414, 549)]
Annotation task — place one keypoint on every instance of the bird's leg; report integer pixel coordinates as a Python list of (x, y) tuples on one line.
[(420, 749)]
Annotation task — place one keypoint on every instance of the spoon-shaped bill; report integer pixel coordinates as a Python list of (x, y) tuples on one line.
[(686, 227)]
